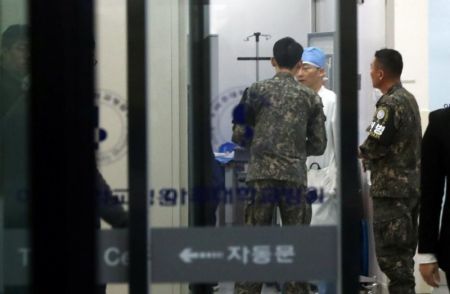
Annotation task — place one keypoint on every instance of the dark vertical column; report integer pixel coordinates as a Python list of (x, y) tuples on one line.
[(200, 151), (63, 204), (137, 144), (351, 205)]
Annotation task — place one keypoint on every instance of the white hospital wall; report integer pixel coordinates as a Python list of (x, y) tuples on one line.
[(409, 35), (325, 15), (371, 37), (233, 20)]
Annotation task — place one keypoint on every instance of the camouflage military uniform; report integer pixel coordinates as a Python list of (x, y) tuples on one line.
[(283, 124), (392, 152)]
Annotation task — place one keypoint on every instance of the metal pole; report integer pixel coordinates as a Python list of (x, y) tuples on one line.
[(350, 224), (257, 35), (139, 271), (257, 55), (313, 16)]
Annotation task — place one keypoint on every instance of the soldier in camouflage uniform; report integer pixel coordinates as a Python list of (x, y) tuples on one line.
[(392, 153), (282, 122)]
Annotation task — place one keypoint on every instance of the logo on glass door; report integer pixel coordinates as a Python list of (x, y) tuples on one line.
[(221, 115), (113, 132)]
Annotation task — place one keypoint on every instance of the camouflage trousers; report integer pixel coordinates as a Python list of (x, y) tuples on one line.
[(259, 212), (395, 231)]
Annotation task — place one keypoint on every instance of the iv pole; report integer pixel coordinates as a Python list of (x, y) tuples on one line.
[(257, 36)]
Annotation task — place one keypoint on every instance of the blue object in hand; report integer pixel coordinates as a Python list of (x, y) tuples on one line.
[(227, 147)]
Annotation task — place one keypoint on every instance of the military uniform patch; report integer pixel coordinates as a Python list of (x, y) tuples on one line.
[(381, 114), (381, 123)]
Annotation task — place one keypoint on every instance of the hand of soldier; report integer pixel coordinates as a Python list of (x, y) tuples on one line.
[(430, 273), (364, 162)]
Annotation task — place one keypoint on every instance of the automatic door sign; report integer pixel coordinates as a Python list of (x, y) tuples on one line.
[(189, 256), (257, 254), (244, 254)]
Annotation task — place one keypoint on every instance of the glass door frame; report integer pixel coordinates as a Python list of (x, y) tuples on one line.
[(62, 148), (56, 135)]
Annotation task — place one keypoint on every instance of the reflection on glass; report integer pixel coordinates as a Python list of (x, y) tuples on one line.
[(14, 86), (14, 191)]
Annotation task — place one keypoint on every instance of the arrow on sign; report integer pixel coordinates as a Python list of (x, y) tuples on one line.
[(188, 255)]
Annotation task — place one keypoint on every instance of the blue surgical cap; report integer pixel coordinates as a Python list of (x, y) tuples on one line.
[(314, 56)]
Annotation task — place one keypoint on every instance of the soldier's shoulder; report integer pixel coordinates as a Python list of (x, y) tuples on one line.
[(404, 92), (264, 84), (396, 99), (304, 90), (400, 94), (257, 84)]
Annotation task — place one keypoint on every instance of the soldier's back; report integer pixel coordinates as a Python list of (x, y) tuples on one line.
[(282, 108)]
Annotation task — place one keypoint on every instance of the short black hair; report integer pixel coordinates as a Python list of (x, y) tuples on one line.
[(14, 33), (391, 61), (287, 52)]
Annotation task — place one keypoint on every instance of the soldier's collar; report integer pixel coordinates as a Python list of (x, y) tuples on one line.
[(394, 88), (284, 75)]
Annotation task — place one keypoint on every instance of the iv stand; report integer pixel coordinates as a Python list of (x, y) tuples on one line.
[(257, 37)]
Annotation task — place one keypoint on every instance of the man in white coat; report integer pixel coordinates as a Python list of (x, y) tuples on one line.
[(322, 169)]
